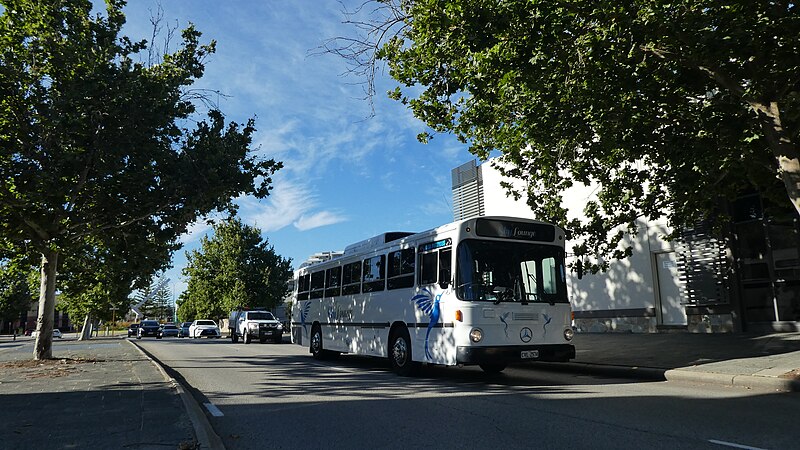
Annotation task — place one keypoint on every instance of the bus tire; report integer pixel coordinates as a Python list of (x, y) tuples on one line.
[(315, 342), (493, 368), (400, 353)]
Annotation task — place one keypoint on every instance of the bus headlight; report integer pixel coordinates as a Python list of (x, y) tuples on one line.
[(476, 335), (569, 334)]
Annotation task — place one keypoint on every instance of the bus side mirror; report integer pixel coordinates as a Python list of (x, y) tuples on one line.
[(444, 284)]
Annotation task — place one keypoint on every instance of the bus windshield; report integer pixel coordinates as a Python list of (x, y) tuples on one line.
[(260, 316), (498, 272)]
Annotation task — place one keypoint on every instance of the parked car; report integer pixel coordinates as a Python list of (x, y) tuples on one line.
[(149, 328), (183, 330), (200, 328), (133, 329), (169, 330), (56, 333)]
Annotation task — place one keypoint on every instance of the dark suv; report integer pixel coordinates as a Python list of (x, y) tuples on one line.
[(149, 328), (133, 330)]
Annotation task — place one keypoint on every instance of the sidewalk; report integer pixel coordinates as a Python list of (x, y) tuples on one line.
[(104, 393), (764, 361)]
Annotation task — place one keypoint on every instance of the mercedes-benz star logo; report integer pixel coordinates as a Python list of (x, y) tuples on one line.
[(525, 334)]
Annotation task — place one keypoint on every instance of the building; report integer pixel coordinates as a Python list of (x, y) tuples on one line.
[(27, 320), (747, 280)]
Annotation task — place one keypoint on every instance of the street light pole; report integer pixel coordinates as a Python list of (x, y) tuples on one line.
[(113, 318)]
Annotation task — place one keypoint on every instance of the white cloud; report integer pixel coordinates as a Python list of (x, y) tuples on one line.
[(317, 220), (195, 231), (288, 204)]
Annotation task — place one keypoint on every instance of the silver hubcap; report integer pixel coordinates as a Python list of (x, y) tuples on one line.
[(316, 343), (400, 352)]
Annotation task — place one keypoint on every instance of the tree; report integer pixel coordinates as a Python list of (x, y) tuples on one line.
[(667, 107), (234, 269), (95, 148), (156, 302), (15, 292), (101, 275)]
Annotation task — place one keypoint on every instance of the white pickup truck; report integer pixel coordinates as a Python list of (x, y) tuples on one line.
[(250, 325)]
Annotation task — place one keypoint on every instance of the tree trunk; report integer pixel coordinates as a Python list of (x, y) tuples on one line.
[(790, 171), (43, 348), (785, 150), (86, 332)]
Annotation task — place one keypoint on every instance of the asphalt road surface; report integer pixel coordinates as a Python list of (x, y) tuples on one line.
[(278, 396)]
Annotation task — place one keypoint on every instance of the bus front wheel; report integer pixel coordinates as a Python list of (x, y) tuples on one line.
[(400, 354)]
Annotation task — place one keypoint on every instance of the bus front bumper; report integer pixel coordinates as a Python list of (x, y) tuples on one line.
[(515, 353)]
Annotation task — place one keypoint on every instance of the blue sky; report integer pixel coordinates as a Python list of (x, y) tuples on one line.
[(346, 176)]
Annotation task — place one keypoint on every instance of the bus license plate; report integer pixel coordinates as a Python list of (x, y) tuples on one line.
[(529, 354)]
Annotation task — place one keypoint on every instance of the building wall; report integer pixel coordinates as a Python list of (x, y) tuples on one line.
[(624, 298), (468, 195), (497, 202), (627, 297)]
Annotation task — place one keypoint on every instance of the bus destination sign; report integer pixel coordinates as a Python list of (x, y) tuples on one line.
[(515, 230)]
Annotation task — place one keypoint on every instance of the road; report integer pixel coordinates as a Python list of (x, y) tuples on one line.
[(277, 396)]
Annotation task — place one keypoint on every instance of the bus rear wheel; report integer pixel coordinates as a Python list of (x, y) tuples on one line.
[(316, 342), (400, 354)]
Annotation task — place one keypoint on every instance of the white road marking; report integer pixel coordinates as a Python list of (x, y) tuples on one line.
[(213, 410), (731, 444)]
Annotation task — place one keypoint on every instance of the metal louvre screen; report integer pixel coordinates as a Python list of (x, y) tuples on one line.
[(703, 267)]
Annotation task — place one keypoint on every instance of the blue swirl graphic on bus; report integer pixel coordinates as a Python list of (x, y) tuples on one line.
[(503, 318), (303, 314), (547, 320), (429, 305)]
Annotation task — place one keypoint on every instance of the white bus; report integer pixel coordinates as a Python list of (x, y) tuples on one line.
[(486, 291)]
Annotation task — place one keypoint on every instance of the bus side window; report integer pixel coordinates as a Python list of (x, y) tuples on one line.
[(428, 266), (445, 272), (333, 282), (374, 274), (302, 287), (401, 269), (317, 284), (351, 278)]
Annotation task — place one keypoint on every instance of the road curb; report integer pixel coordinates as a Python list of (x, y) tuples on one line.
[(639, 373), (206, 436), (675, 375), (743, 381)]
